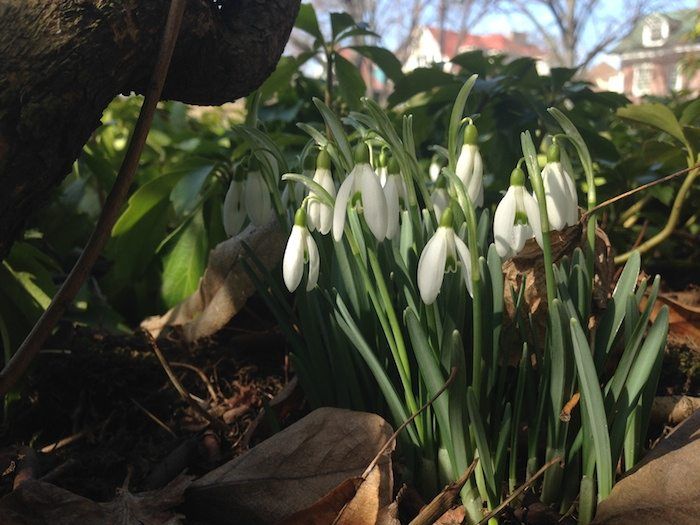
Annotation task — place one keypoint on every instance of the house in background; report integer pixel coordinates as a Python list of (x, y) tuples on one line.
[(604, 77), (654, 57), (427, 49)]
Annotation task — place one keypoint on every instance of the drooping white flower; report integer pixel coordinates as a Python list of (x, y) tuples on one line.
[(517, 218), (301, 249), (395, 194), (470, 168), (257, 199), (233, 211), (560, 192), (444, 252), (436, 165), (361, 185), (320, 214)]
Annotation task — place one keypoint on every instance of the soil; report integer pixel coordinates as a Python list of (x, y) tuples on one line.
[(110, 398)]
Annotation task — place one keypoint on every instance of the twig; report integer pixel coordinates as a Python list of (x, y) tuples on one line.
[(640, 237), (643, 187), (453, 375), (202, 376), (184, 394), (445, 500), (522, 488), (65, 441), (26, 353), (154, 418), (565, 414)]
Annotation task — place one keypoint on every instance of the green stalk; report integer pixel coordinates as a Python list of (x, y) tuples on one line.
[(533, 169), (398, 348)]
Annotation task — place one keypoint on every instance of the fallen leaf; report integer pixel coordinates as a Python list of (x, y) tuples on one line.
[(664, 488), (292, 470), (672, 410), (326, 510), (454, 516), (528, 267), (373, 495), (683, 319), (225, 286), (40, 503)]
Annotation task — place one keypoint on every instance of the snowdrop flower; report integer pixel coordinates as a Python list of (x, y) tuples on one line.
[(320, 214), (516, 219), (436, 165), (559, 191), (395, 194), (361, 185), (444, 252), (233, 212), (440, 197), (301, 249), (382, 167), (257, 197), (470, 168)]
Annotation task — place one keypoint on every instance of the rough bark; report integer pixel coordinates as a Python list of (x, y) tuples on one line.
[(63, 61)]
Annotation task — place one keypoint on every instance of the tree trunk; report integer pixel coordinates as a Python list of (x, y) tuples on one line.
[(63, 61)]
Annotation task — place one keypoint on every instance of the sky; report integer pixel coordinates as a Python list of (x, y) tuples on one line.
[(499, 22)]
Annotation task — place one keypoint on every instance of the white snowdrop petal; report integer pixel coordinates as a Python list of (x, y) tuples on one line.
[(532, 211), (431, 266), (503, 223), (572, 217), (521, 233), (391, 193), (233, 211), (465, 163), (313, 215), (556, 195), (341, 205), (314, 262), (465, 259), (373, 202), (325, 218), (257, 199), (293, 261)]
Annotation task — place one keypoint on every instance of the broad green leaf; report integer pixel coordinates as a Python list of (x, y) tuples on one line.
[(145, 199), (593, 409), (655, 115), (307, 21), (350, 83), (418, 81), (185, 264), (340, 22), (384, 59), (187, 191), (691, 113)]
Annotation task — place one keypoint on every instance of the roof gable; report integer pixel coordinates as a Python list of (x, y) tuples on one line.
[(680, 24)]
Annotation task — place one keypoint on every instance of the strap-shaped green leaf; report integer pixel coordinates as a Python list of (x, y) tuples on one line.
[(593, 409)]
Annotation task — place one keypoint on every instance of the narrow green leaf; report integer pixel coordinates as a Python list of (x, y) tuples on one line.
[(482, 445), (453, 142), (593, 408), (336, 128)]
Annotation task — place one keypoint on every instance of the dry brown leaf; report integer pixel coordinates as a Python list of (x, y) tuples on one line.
[(528, 266), (665, 488), (452, 517), (225, 286), (683, 319), (41, 503), (326, 510), (292, 470), (373, 495), (672, 410)]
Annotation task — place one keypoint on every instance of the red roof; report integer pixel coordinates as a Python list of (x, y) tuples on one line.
[(493, 42)]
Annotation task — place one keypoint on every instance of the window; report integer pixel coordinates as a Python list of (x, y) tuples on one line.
[(675, 77), (655, 31), (642, 79)]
